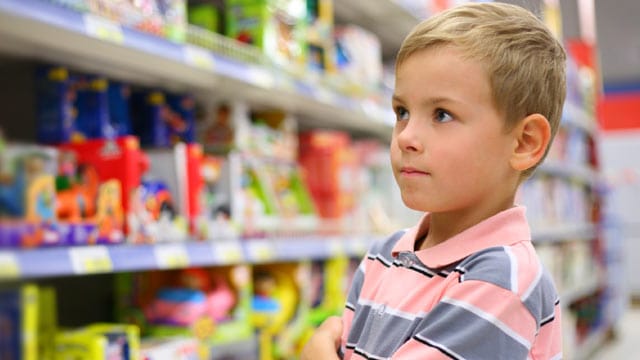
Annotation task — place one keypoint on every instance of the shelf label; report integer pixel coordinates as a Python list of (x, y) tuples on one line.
[(9, 266), (261, 251), (198, 57), (103, 29), (228, 252), (260, 77), (171, 256), (336, 246), (90, 260)]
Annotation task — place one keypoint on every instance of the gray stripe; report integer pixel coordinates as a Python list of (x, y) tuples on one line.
[(377, 331), (356, 285), (541, 300), (465, 333), (492, 265)]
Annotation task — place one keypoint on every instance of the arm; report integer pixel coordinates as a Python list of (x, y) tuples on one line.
[(324, 343)]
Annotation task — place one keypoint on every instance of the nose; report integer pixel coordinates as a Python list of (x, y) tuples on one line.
[(409, 136)]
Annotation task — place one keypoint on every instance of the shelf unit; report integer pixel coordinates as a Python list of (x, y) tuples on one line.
[(93, 44)]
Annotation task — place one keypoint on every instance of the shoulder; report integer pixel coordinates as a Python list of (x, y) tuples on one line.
[(517, 269)]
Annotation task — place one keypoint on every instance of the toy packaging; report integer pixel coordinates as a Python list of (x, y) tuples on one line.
[(92, 103), (162, 120), (99, 342), (211, 305), (359, 57), (276, 27), (27, 196), (280, 308), (319, 36), (214, 221), (172, 348), (119, 101), (118, 159), (55, 109), (19, 320)]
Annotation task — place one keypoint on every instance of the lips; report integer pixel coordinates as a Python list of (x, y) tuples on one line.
[(407, 170)]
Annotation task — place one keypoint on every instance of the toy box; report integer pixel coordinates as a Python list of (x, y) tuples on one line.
[(215, 221), (319, 36), (92, 104), (280, 308), (276, 27), (162, 120), (173, 348), (55, 105), (211, 305), (329, 169), (27, 196), (119, 159), (99, 342), (19, 319), (119, 101), (358, 57), (168, 205)]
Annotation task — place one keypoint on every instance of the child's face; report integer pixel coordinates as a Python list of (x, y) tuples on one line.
[(449, 149)]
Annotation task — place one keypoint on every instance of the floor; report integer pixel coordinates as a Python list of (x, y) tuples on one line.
[(625, 343)]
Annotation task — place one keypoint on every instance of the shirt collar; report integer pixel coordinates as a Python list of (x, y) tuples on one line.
[(505, 228)]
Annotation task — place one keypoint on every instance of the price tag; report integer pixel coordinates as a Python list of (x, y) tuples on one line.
[(103, 29), (171, 256), (336, 246), (261, 251), (9, 266), (90, 260), (199, 57), (228, 252), (260, 77)]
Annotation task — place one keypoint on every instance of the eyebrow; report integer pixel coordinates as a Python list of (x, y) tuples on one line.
[(429, 101)]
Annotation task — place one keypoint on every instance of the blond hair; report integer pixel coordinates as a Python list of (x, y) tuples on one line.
[(525, 63)]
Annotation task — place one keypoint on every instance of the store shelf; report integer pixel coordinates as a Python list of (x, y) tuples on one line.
[(385, 18), (83, 260), (579, 173), (575, 116), (589, 346), (564, 232), (94, 44), (580, 291)]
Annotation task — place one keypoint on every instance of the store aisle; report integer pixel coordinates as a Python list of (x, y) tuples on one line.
[(625, 345)]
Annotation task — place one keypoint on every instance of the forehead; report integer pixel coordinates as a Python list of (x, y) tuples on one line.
[(441, 69)]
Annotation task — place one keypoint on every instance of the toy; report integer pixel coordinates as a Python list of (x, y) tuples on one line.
[(27, 196), (55, 108), (277, 309), (119, 159), (162, 120), (92, 103), (119, 98), (204, 295), (99, 342), (276, 27), (175, 348), (139, 295), (214, 220), (19, 323), (358, 58)]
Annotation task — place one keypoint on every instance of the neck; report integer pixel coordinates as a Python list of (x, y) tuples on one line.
[(444, 225)]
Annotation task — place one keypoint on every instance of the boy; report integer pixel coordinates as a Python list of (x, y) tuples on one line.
[(478, 98)]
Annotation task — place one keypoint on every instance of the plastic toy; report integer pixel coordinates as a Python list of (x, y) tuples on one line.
[(276, 27), (214, 220)]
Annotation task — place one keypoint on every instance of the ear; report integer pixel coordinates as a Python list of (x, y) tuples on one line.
[(532, 136)]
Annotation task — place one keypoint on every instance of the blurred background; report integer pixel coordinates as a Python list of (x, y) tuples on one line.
[(198, 179)]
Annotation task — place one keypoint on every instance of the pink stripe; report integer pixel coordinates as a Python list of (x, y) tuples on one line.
[(403, 289), (549, 340), (528, 265), (347, 319), (503, 304)]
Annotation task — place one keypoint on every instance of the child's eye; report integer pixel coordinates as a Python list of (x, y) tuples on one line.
[(402, 113), (442, 116)]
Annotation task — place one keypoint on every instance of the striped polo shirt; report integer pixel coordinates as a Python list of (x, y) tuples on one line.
[(482, 294)]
